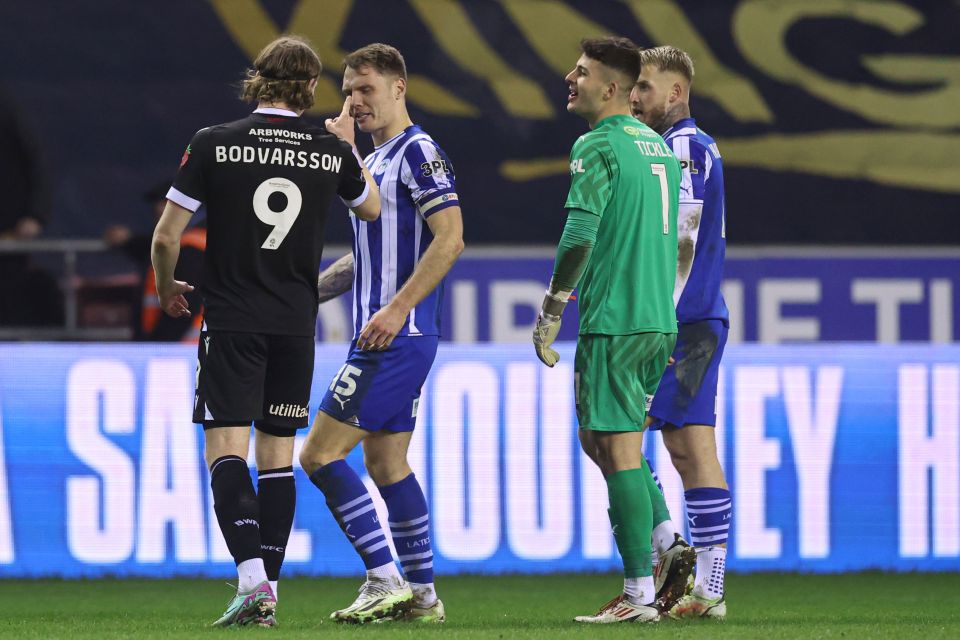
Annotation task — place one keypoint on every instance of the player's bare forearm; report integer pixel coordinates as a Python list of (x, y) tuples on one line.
[(446, 247), (336, 279), (165, 246), (164, 253)]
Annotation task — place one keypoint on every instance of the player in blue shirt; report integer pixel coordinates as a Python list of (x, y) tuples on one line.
[(396, 271), (684, 407)]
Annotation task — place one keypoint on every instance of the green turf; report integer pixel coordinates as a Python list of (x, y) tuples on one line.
[(871, 605)]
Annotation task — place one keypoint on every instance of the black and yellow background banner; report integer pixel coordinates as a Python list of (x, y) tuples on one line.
[(838, 120)]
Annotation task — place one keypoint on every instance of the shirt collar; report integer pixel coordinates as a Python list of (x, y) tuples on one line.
[(681, 124), (274, 111)]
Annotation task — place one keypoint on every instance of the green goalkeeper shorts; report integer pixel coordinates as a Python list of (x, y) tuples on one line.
[(615, 378)]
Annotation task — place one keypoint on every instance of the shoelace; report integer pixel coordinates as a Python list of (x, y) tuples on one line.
[(375, 588), (611, 604)]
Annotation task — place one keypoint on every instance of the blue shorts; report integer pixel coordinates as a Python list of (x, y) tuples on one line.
[(688, 390), (380, 390)]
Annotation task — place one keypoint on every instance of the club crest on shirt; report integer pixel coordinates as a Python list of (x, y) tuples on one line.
[(185, 157)]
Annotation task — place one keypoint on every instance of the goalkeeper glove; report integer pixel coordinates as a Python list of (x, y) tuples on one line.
[(544, 333), (548, 324)]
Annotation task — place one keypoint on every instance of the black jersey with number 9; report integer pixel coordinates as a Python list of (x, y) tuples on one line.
[(267, 182)]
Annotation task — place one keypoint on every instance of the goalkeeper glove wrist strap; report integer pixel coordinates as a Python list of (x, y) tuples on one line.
[(554, 302)]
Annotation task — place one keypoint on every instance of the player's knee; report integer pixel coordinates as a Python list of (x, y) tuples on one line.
[(385, 470), (312, 458), (681, 459)]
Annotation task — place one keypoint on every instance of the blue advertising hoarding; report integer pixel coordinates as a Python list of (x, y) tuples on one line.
[(778, 294), (840, 457)]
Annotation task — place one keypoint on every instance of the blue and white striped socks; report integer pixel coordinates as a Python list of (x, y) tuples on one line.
[(709, 512), (353, 508), (410, 527)]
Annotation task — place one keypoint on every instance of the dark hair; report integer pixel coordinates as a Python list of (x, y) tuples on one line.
[(381, 57), (620, 54), (282, 73)]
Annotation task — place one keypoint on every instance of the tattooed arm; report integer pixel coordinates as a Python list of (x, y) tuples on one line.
[(336, 279)]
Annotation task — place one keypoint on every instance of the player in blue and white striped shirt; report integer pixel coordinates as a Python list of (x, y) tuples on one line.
[(684, 407), (396, 272)]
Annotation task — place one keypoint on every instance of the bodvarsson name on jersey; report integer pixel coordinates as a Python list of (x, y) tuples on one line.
[(285, 157)]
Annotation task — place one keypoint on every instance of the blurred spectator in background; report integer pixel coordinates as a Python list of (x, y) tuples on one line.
[(151, 324), (29, 296)]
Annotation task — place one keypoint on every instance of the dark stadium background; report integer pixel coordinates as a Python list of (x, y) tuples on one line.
[(115, 89)]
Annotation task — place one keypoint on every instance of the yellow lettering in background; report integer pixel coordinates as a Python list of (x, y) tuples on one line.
[(666, 23), (458, 37), (323, 23), (252, 28), (554, 30), (916, 160), (911, 157), (760, 28)]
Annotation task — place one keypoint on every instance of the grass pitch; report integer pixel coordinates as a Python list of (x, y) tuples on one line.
[(768, 607)]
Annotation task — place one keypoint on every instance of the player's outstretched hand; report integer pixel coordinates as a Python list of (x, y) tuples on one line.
[(343, 125), (381, 329), (544, 333), (172, 301)]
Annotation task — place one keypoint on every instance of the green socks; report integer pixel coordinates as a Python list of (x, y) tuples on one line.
[(631, 516)]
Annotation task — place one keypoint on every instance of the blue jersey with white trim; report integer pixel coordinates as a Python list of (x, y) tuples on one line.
[(701, 224), (416, 181)]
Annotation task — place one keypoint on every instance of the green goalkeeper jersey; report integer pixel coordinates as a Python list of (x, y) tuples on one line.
[(623, 172)]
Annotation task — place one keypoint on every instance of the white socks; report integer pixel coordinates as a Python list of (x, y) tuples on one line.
[(273, 587), (250, 573), (639, 590), (711, 562), (385, 572), (424, 595), (664, 535)]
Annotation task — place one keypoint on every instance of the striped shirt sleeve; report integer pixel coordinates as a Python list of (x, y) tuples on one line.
[(429, 175)]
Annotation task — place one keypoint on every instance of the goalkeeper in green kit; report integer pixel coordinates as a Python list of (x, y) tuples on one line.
[(619, 245)]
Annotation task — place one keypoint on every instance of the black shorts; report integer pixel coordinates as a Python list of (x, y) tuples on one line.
[(253, 377)]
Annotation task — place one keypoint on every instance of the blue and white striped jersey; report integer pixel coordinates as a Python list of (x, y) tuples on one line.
[(416, 180), (701, 224)]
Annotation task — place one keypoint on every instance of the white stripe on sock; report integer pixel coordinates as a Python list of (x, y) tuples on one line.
[(283, 474), (352, 503), (409, 523), (722, 527), (725, 507), (706, 503), (367, 538), (359, 512), (406, 534), (374, 547)]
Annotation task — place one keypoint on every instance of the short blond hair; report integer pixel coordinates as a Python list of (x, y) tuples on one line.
[(667, 58)]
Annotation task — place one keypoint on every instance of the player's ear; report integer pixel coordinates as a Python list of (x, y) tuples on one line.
[(400, 88), (676, 92), (612, 88)]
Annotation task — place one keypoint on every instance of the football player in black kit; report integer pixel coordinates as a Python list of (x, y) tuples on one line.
[(267, 182)]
